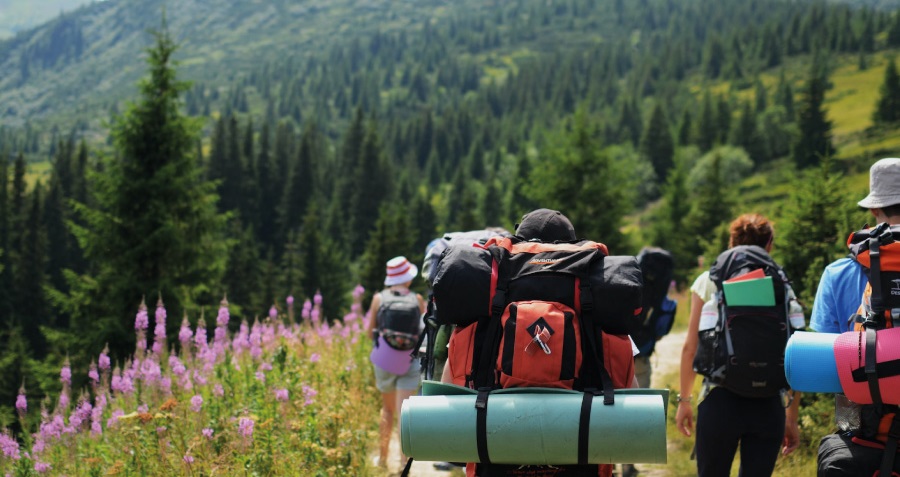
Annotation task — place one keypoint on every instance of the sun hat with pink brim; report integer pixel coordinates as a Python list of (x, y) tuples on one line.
[(399, 270), (850, 358)]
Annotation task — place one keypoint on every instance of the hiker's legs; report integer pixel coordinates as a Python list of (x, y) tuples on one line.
[(642, 370), (407, 385), (717, 434), (402, 395), (388, 406), (763, 420)]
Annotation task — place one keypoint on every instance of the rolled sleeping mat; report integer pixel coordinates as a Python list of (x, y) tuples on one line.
[(389, 359), (850, 356), (809, 363), (536, 426)]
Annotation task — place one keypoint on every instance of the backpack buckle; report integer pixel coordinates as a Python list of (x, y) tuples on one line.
[(541, 336)]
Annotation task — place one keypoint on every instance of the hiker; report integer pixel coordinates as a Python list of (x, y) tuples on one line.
[(541, 226), (843, 281), (857, 447), (395, 322), (726, 417), (656, 317)]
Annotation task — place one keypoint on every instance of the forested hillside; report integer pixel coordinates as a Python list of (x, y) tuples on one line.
[(319, 139)]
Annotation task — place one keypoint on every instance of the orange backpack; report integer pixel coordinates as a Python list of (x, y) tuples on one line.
[(878, 251), (541, 332)]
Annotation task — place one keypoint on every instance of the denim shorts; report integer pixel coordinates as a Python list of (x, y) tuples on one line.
[(387, 381)]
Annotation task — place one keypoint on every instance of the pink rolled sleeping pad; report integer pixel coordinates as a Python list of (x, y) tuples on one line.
[(389, 359), (850, 356)]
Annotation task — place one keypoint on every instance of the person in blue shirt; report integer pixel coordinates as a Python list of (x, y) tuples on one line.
[(844, 280), (837, 299)]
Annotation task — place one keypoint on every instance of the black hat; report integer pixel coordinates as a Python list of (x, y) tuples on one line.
[(547, 226)]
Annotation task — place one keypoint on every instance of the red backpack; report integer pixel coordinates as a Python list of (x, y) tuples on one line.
[(542, 327), (878, 251)]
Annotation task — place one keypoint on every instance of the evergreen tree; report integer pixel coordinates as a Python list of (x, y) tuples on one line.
[(5, 270), (667, 222), (155, 231), (657, 145), (322, 265), (887, 109), (814, 141), (29, 266), (371, 184), (302, 181), (710, 209), (392, 237), (243, 278), (745, 135), (707, 129), (819, 215), (581, 181), (17, 204), (685, 129)]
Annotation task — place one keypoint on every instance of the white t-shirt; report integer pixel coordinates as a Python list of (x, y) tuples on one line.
[(704, 287)]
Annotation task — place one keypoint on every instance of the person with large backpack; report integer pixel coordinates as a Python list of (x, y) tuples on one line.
[(657, 308), (395, 324), (538, 323), (860, 293), (736, 339)]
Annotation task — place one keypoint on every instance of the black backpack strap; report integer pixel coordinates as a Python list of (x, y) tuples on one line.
[(890, 447), (594, 347), (584, 427), (872, 366), (406, 469), (481, 402), (488, 334)]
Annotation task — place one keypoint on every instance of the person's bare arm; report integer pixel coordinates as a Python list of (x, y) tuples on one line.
[(370, 315), (792, 426), (684, 418)]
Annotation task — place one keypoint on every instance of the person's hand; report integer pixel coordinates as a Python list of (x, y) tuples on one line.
[(791, 436), (684, 418)]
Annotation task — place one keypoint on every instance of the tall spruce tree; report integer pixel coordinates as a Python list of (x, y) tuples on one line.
[(155, 230), (711, 207), (30, 301), (580, 180), (887, 109), (667, 221), (657, 145), (814, 141)]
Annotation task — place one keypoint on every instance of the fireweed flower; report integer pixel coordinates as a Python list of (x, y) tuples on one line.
[(196, 403), (141, 321), (9, 446), (65, 374), (21, 402), (218, 390), (159, 331), (188, 459), (261, 377), (185, 334), (281, 395), (200, 335), (114, 419), (314, 358), (41, 467), (93, 374), (273, 312), (317, 298), (207, 432), (308, 393), (103, 361), (307, 308), (245, 427)]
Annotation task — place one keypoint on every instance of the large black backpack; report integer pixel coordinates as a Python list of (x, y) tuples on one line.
[(657, 309), (744, 351)]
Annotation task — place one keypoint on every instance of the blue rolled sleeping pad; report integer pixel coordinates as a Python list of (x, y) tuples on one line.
[(534, 426), (809, 364)]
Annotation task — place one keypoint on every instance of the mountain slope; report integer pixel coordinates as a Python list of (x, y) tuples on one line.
[(21, 15)]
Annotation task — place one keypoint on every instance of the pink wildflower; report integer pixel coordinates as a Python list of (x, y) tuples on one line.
[(207, 432), (9, 446), (114, 419), (260, 376), (41, 467), (218, 390), (93, 374), (141, 321), (281, 395), (196, 403), (317, 298), (245, 427), (308, 393), (188, 459), (103, 361), (273, 312), (185, 334), (21, 402), (223, 317), (65, 374), (314, 358), (307, 308), (290, 300)]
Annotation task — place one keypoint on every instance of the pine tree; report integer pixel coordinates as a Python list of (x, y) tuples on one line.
[(581, 181), (707, 129), (745, 133), (5, 269), (814, 141), (155, 230), (30, 302), (17, 204), (657, 145), (302, 180), (887, 109), (667, 222), (371, 184), (710, 209), (818, 216)]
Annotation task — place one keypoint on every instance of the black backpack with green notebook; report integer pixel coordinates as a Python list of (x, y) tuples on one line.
[(741, 346)]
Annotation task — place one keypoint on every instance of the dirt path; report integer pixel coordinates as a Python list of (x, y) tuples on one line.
[(665, 363)]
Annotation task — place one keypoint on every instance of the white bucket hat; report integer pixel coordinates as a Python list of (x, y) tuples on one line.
[(884, 184), (399, 270)]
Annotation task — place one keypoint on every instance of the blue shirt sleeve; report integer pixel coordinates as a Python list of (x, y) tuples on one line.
[(838, 296)]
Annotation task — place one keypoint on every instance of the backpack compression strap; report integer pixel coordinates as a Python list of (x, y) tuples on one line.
[(890, 447)]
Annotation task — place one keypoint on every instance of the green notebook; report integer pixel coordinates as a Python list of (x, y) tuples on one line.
[(756, 292)]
